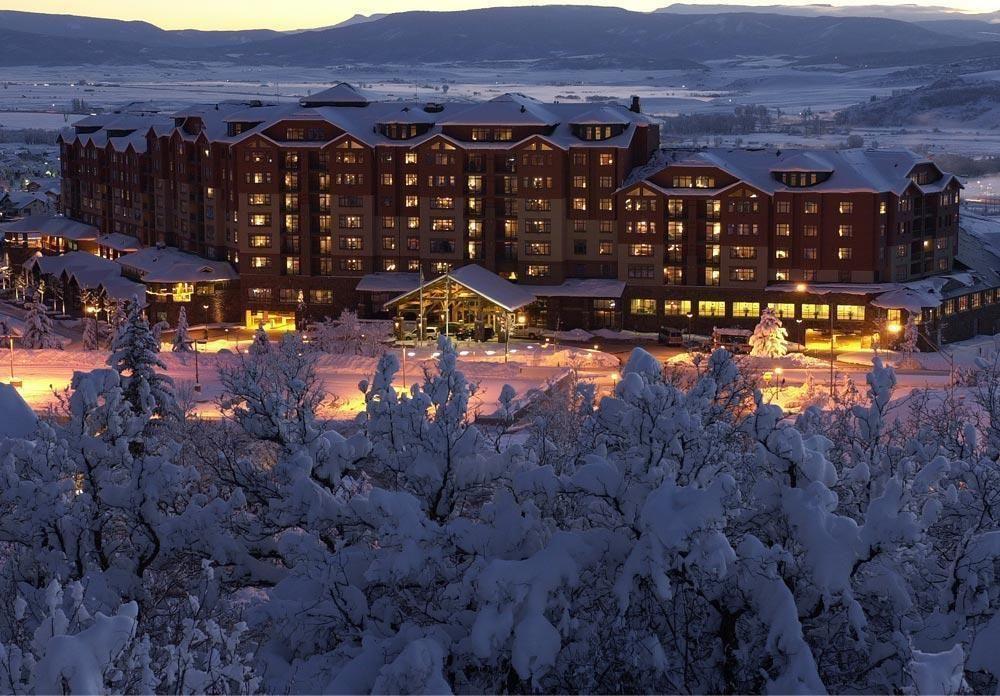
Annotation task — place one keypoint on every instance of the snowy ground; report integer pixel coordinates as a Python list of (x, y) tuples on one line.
[(529, 367)]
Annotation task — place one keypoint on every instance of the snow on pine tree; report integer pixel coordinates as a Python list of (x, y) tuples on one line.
[(91, 334), (182, 338), (908, 344), (157, 330), (38, 332), (261, 343), (769, 338), (134, 356)]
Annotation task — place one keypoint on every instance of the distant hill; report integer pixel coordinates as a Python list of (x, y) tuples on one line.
[(526, 33), (587, 36), (100, 29), (950, 102)]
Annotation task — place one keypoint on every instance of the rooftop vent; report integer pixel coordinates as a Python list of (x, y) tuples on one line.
[(433, 107)]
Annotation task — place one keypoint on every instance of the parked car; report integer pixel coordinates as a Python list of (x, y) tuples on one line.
[(530, 332), (733, 340), (669, 336)]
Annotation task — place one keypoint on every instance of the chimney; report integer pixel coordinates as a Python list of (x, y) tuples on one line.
[(634, 106)]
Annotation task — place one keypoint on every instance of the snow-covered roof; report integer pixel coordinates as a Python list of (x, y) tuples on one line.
[(580, 287), (170, 265), (52, 226), (22, 199), (118, 242), (388, 282), (90, 272), (486, 283), (878, 171), (339, 94), (18, 421)]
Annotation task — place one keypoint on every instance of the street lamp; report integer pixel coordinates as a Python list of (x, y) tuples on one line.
[(689, 315), (779, 381), (205, 307), (197, 378), (802, 287), (802, 335), (16, 383)]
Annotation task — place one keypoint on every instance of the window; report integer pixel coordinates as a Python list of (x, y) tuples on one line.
[(292, 265), (742, 252), (676, 308), (810, 207), (606, 204), (440, 267), (743, 274), (413, 223), (260, 262), (259, 241), (321, 296), (746, 309), (704, 182), (640, 250), (388, 243), (259, 220), (783, 229), (640, 227), (673, 275), (643, 272), (643, 306), (579, 204), (258, 199), (350, 264), (850, 312), (845, 230), (785, 310), (442, 203), (605, 248), (539, 248), (580, 247), (443, 224), (410, 158), (846, 207), (259, 294), (781, 253), (810, 231), (413, 243), (351, 243), (288, 295), (682, 182), (605, 159), (809, 253), (711, 308), (411, 201), (389, 223), (783, 207), (814, 311), (743, 229), (442, 246), (387, 179), (538, 271), (711, 276), (533, 226), (844, 253), (675, 206), (350, 222), (580, 182), (675, 231)]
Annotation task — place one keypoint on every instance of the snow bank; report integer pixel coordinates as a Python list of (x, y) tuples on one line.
[(18, 418)]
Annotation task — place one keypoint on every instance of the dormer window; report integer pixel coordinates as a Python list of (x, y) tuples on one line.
[(401, 131), (492, 134), (801, 179)]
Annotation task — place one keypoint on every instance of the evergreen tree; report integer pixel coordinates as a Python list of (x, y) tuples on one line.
[(261, 344), (38, 331), (769, 339), (182, 339), (908, 344), (158, 328), (91, 335), (133, 355)]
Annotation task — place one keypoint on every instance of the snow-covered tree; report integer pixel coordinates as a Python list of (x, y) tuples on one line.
[(769, 338), (38, 332), (908, 343), (261, 343), (134, 357), (157, 330), (348, 335), (182, 338), (91, 334)]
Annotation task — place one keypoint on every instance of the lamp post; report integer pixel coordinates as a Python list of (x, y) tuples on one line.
[(197, 377), (16, 383), (802, 287), (689, 315), (205, 307), (779, 381), (92, 311), (802, 335)]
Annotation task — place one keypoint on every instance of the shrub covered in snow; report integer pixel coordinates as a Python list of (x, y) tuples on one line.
[(38, 332), (666, 538), (769, 338)]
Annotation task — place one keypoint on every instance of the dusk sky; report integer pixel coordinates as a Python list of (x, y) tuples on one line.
[(245, 14)]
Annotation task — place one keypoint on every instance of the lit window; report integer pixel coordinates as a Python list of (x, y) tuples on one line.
[(676, 308), (844, 253), (785, 310), (641, 305), (815, 311), (846, 207), (850, 312), (711, 308), (746, 309)]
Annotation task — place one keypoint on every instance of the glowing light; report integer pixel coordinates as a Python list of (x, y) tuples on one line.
[(801, 287), (894, 328)]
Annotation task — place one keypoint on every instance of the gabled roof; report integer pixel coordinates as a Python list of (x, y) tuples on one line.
[(170, 265), (341, 94), (505, 110), (482, 282), (52, 226), (119, 242), (601, 116)]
